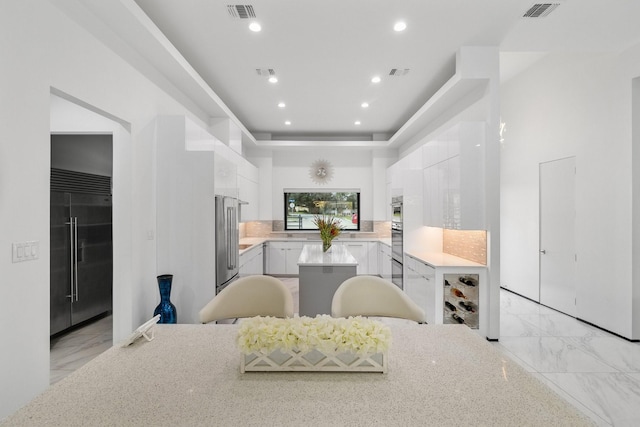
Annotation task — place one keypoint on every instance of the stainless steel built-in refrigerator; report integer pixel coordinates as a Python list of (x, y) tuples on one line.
[(81, 248), (227, 241)]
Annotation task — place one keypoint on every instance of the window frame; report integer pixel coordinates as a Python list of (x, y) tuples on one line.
[(305, 225)]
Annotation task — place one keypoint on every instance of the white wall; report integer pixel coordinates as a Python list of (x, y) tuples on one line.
[(574, 105), (42, 49), (185, 220), (352, 169)]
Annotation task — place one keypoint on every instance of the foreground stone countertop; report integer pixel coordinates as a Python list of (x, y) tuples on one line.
[(439, 375)]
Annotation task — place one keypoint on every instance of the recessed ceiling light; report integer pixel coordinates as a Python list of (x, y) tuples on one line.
[(357, 123), (399, 26), (365, 105), (288, 123), (273, 79), (375, 79), (255, 27), (281, 104)]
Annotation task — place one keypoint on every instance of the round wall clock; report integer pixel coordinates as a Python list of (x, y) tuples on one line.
[(321, 172)]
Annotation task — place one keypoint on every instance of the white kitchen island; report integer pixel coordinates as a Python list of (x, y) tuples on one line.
[(320, 274)]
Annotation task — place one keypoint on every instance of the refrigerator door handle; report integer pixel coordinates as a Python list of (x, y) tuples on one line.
[(235, 253), (228, 232), (75, 249), (71, 257)]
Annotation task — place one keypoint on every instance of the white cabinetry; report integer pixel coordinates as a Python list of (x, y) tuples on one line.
[(453, 178), (395, 173), (225, 176), (248, 191), (283, 257), (236, 177), (251, 261), (384, 261), (359, 250), (372, 254), (419, 285)]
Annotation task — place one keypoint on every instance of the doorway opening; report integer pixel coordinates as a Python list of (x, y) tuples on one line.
[(81, 250)]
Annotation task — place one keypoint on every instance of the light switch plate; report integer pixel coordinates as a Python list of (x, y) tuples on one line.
[(25, 251)]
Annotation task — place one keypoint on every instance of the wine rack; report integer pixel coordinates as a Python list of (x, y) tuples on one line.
[(461, 296)]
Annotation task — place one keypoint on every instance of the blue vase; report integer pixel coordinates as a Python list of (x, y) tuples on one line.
[(165, 309)]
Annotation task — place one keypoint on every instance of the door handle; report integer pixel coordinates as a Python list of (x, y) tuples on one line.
[(543, 251), (75, 248)]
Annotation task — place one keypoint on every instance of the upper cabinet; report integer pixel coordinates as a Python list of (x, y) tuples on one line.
[(236, 177), (225, 175), (248, 192), (453, 178)]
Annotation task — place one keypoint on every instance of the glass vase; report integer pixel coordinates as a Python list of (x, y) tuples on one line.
[(165, 309), (326, 245)]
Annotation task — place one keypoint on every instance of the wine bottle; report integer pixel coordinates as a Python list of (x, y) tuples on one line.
[(450, 306), (457, 318), (467, 281), (467, 306), (457, 292)]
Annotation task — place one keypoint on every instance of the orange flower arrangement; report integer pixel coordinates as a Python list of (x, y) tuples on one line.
[(329, 227)]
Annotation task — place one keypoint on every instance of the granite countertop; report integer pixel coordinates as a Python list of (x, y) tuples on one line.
[(189, 375), (337, 255)]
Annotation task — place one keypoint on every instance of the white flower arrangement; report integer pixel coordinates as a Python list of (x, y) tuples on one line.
[(327, 334)]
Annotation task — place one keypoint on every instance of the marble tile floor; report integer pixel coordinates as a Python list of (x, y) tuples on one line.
[(597, 372)]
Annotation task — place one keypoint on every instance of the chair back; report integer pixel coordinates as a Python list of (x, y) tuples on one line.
[(374, 296), (248, 297)]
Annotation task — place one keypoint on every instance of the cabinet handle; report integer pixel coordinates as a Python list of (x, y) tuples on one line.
[(543, 251)]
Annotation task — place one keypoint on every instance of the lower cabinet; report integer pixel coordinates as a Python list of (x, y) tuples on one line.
[(384, 261), (372, 254), (360, 252), (420, 285), (283, 257), (251, 262)]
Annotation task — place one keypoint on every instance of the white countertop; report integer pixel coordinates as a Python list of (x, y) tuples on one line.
[(441, 259), (337, 255), (189, 376), (253, 241)]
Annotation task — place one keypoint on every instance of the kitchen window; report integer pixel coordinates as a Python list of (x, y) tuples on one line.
[(301, 207)]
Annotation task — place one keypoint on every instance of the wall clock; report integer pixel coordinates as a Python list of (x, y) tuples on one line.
[(321, 171)]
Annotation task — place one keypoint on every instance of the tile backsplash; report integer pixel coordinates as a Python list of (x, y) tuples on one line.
[(258, 228), (380, 229), (467, 244)]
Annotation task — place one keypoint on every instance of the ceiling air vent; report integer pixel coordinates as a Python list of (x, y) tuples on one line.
[(267, 72), (241, 11), (540, 10), (399, 72)]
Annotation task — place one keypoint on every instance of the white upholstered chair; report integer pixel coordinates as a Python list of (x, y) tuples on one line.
[(374, 296), (248, 297)]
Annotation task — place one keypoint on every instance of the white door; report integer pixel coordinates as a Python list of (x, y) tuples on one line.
[(557, 235)]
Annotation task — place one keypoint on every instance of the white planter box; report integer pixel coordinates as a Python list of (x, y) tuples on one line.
[(283, 360)]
